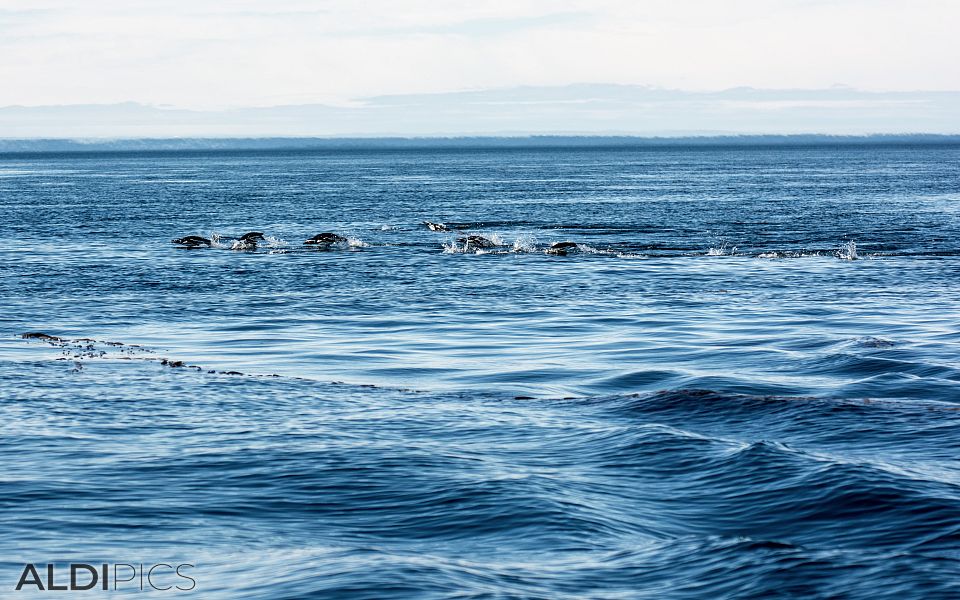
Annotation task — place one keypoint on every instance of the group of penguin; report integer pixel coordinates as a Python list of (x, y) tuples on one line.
[(248, 241), (470, 243)]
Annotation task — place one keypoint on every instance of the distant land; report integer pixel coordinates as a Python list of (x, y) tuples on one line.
[(397, 143), (573, 110)]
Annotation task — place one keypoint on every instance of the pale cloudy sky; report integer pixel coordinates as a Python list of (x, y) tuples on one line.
[(216, 54)]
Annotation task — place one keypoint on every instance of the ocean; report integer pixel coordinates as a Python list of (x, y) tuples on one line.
[(740, 378)]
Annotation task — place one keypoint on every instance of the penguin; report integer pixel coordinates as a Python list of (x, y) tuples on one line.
[(247, 241), (193, 241), (436, 226), (475, 242), (561, 248), (325, 240)]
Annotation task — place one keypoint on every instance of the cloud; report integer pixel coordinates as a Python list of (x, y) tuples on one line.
[(201, 53), (497, 26)]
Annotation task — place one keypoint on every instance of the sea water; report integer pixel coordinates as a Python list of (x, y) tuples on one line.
[(742, 382)]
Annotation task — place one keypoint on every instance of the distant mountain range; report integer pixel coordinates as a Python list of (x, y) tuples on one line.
[(574, 110), (50, 145)]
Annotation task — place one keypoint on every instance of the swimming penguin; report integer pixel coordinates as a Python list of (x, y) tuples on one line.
[(325, 240), (247, 241), (193, 241), (436, 226), (560, 248), (475, 242)]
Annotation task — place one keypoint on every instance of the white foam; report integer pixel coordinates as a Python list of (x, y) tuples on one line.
[(274, 242), (585, 249), (723, 250), (848, 251), (525, 243)]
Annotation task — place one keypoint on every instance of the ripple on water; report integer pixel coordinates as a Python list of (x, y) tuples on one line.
[(775, 420)]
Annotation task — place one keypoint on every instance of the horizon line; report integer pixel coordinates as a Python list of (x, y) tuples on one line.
[(290, 143)]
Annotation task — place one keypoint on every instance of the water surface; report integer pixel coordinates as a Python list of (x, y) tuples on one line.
[(743, 382)]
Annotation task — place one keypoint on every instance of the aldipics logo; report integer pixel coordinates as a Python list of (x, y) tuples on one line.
[(106, 576)]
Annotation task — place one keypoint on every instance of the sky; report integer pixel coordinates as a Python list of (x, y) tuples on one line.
[(213, 55)]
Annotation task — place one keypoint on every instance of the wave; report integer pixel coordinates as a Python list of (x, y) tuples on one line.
[(481, 493), (686, 491)]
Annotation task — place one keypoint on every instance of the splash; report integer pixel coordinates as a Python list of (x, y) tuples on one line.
[(591, 250), (525, 243), (724, 250), (848, 251), (275, 242)]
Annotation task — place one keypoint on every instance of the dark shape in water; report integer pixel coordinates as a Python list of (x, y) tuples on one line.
[(35, 335), (560, 248), (436, 226), (193, 241), (475, 242), (874, 342), (325, 239), (247, 241)]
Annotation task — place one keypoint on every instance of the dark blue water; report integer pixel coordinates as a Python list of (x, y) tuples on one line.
[(743, 381)]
